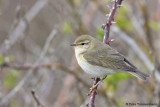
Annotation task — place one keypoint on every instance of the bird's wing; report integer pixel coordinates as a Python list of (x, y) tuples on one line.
[(114, 52), (109, 58)]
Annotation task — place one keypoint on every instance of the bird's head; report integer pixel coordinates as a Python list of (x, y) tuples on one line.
[(83, 43)]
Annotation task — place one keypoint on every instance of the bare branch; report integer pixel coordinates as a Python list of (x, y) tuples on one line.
[(49, 65), (22, 82), (93, 93), (109, 21), (36, 99)]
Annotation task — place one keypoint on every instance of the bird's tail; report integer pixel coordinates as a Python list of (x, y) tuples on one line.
[(139, 74)]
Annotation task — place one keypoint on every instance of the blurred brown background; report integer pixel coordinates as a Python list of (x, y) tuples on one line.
[(35, 52)]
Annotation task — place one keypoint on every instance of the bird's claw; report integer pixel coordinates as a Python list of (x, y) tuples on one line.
[(93, 89)]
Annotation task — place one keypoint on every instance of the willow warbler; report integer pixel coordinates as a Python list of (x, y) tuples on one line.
[(99, 59)]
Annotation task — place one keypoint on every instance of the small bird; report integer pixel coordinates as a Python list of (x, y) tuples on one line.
[(100, 60)]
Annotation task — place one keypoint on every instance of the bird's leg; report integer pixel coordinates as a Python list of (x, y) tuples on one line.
[(99, 82), (94, 87)]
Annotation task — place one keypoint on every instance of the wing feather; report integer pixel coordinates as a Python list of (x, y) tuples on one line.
[(109, 58)]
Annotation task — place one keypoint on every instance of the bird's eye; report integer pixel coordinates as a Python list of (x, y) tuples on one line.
[(82, 43)]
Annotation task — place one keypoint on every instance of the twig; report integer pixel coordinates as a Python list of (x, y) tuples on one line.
[(106, 28), (20, 67), (22, 82), (36, 99), (110, 20), (93, 93), (48, 65)]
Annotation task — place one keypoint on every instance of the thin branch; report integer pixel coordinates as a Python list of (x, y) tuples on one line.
[(106, 27), (93, 93), (20, 67), (110, 20), (48, 65), (36, 99), (22, 82)]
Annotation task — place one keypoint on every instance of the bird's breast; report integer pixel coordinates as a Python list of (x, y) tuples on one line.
[(95, 71)]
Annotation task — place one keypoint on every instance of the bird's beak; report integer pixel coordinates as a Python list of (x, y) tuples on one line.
[(74, 44)]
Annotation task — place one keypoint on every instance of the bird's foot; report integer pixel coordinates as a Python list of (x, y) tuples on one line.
[(92, 89)]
